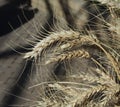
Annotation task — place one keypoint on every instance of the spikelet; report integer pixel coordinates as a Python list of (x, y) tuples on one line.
[(82, 40)]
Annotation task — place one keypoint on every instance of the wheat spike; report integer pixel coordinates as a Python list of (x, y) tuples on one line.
[(69, 55), (54, 37)]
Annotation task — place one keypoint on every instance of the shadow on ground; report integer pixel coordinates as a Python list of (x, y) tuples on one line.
[(9, 14)]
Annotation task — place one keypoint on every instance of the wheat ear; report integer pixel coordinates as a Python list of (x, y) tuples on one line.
[(54, 37), (69, 55)]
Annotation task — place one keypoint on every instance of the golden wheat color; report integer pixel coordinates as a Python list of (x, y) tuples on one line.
[(76, 69)]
